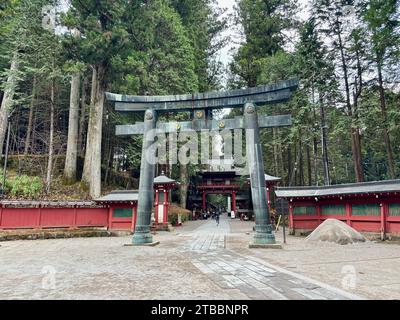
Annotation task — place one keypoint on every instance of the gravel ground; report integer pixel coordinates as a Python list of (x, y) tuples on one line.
[(370, 269), (197, 261)]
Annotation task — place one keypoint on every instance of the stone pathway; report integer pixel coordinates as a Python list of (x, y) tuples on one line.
[(208, 237), (251, 276)]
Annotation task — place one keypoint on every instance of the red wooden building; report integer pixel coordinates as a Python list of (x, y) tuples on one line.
[(270, 184), (122, 209), (219, 182), (228, 183), (162, 186), (367, 207)]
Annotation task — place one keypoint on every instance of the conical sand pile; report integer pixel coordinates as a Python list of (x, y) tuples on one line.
[(333, 230)]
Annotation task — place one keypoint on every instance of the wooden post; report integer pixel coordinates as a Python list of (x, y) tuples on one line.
[(156, 207), (268, 197), (166, 206), (1, 216), (133, 223), (39, 218), (291, 222), (204, 201), (383, 220), (318, 211), (110, 215), (74, 226), (348, 213), (234, 201)]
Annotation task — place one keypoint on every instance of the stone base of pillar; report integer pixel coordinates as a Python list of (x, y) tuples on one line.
[(253, 245), (140, 238), (150, 244), (263, 235)]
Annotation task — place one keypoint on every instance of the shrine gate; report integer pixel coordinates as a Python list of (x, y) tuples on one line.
[(201, 105)]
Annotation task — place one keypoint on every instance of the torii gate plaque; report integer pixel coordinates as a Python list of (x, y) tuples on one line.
[(201, 104)]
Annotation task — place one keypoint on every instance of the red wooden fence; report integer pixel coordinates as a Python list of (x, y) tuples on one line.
[(52, 215), (385, 222)]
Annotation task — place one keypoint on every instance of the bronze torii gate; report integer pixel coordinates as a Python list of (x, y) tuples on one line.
[(201, 104)]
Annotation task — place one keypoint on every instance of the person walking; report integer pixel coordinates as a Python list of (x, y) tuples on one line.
[(217, 218)]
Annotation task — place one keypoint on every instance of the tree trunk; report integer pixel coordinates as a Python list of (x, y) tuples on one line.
[(33, 133), (184, 180), (96, 134), (81, 133), (356, 151), (355, 139), (295, 169), (315, 150), (7, 99), (72, 144), (301, 162), (386, 137), (355, 133), (30, 120), (324, 142), (289, 162), (51, 138), (108, 148), (88, 154), (282, 168), (309, 169)]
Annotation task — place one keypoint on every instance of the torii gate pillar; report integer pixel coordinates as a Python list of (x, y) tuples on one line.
[(142, 233), (263, 228)]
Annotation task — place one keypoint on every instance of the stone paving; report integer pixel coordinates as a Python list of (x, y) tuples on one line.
[(370, 270), (198, 261), (250, 276)]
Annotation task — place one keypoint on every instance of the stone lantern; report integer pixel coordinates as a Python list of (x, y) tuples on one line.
[(162, 187)]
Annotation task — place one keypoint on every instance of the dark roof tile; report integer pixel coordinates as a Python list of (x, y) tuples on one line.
[(339, 189)]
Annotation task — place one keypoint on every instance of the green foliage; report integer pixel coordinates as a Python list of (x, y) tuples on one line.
[(204, 25), (7, 184), (24, 186), (164, 61), (382, 19), (263, 24), (102, 29), (356, 34)]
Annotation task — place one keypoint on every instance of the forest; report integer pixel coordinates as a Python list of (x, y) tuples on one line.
[(58, 58)]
